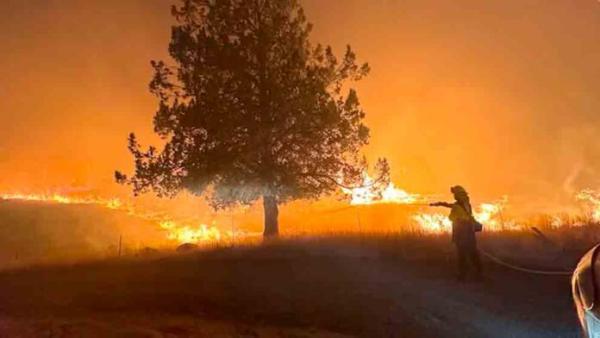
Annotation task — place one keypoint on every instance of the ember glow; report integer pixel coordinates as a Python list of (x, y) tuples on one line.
[(370, 192), (111, 203), (177, 231), (191, 234), (433, 223), (592, 198), (489, 214)]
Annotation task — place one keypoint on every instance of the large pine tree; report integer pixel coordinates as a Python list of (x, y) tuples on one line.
[(249, 109)]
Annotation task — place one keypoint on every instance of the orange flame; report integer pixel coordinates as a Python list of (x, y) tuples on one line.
[(433, 223), (489, 214), (190, 234), (176, 231), (111, 203), (372, 193), (593, 199)]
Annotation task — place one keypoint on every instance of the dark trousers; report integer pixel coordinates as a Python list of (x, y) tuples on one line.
[(468, 253)]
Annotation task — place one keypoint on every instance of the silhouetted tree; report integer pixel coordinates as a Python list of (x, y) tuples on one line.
[(251, 109)]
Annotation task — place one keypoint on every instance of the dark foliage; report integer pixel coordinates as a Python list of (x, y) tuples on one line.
[(251, 109)]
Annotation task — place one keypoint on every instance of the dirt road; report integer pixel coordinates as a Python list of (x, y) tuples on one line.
[(352, 293), (506, 304)]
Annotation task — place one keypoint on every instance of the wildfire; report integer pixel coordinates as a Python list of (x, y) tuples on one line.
[(176, 231), (111, 203), (489, 214), (197, 232), (190, 234), (373, 193), (593, 199), (433, 223)]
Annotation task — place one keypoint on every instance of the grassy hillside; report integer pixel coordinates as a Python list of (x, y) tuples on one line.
[(37, 232)]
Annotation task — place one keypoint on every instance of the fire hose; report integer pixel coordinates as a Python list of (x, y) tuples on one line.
[(483, 252), (523, 269)]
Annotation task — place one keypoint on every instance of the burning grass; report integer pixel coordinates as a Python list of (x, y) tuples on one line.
[(37, 231), (373, 207), (384, 277)]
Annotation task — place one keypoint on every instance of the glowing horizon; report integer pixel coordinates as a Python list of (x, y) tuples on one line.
[(505, 106)]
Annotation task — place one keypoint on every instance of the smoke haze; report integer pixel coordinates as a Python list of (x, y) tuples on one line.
[(500, 96)]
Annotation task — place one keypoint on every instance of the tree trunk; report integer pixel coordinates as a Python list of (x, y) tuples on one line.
[(271, 217)]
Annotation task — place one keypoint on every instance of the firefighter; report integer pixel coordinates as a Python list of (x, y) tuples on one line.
[(464, 227)]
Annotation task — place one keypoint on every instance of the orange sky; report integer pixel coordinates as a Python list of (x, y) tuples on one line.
[(502, 96)]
